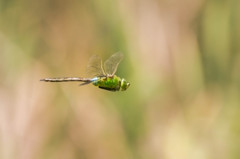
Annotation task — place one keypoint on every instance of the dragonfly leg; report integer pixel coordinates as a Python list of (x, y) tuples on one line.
[(85, 83), (109, 89)]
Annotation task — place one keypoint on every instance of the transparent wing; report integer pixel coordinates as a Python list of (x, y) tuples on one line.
[(111, 64), (94, 67)]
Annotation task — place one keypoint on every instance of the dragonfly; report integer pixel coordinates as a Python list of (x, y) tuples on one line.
[(101, 75)]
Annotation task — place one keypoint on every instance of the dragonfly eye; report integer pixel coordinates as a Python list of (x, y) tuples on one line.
[(124, 84)]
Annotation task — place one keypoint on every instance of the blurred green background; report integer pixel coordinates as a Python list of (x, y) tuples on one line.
[(181, 58)]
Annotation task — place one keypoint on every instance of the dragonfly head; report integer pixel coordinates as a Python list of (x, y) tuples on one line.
[(124, 85)]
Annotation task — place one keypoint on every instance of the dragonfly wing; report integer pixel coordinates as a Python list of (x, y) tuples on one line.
[(111, 64), (94, 67)]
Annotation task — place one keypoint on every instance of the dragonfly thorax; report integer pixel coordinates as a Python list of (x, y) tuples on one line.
[(113, 83)]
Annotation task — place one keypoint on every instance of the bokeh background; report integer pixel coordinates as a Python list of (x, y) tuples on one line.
[(181, 58)]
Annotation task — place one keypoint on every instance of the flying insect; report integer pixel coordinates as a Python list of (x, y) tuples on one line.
[(102, 75)]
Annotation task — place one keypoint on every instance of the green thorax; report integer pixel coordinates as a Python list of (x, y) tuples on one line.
[(108, 83)]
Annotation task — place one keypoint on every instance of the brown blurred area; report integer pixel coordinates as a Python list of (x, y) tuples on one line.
[(181, 58)]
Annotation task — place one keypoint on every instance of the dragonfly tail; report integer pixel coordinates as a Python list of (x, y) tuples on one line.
[(67, 79)]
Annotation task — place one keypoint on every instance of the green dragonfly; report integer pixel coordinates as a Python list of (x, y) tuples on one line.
[(102, 76)]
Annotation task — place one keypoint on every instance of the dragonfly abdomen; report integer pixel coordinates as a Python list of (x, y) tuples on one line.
[(67, 79)]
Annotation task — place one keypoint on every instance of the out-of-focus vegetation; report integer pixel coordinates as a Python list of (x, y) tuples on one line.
[(181, 57)]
